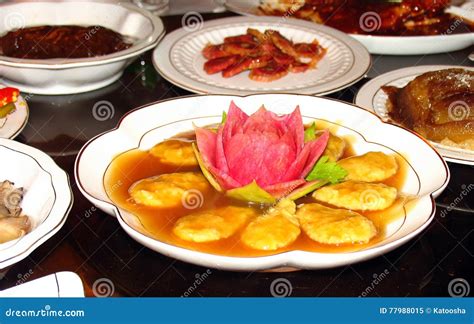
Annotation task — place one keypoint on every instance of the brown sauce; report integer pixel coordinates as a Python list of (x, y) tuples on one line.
[(47, 42), (383, 19), (134, 165)]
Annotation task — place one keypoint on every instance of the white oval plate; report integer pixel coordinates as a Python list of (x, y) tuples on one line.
[(372, 98), (12, 125), (178, 58), (47, 200), (66, 76), (388, 45), (142, 128)]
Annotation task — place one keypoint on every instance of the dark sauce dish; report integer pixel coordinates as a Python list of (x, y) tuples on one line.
[(55, 48)]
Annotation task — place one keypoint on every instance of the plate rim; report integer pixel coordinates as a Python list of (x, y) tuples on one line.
[(59, 210), (361, 56), (366, 91), (223, 262)]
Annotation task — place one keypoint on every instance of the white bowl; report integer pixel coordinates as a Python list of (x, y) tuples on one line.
[(427, 175), (47, 200), (65, 76)]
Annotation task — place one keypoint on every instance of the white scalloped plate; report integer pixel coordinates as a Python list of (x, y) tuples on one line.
[(12, 125), (388, 45), (427, 175), (178, 58), (372, 98)]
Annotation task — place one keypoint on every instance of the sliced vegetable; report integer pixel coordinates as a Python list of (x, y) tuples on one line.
[(253, 193), (306, 189), (310, 133), (6, 110), (213, 182)]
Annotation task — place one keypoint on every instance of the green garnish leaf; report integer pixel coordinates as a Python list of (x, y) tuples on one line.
[(306, 189), (327, 171), (310, 133), (224, 117), (251, 192)]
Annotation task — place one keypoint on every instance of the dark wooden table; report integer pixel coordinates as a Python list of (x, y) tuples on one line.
[(93, 245)]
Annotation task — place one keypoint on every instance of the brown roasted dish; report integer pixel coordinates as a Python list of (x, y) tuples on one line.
[(13, 223), (390, 18), (47, 42), (439, 105)]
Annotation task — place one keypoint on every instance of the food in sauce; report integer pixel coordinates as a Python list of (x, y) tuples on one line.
[(267, 55), (439, 105), (13, 224), (370, 167), (341, 215), (213, 224), (391, 18), (357, 195), (8, 97), (167, 190), (276, 228), (175, 152), (335, 147), (335, 226), (48, 42)]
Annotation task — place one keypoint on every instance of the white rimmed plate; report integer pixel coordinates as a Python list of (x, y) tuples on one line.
[(372, 98), (427, 176), (47, 200), (178, 58), (388, 45), (12, 125), (66, 76), (58, 285)]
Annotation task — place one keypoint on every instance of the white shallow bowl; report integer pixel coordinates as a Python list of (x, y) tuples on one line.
[(12, 125), (427, 176), (178, 58), (47, 200), (66, 76), (373, 98), (390, 45)]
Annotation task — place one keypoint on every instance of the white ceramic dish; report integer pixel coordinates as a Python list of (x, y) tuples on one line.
[(65, 76), (387, 45), (178, 58), (148, 125), (12, 125), (47, 200), (58, 285), (372, 98)]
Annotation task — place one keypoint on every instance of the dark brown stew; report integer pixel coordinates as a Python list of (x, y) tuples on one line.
[(47, 42)]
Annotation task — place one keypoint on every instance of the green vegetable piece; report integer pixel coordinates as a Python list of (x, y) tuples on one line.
[(7, 109), (224, 118), (212, 181), (310, 133), (327, 171), (253, 193), (306, 189)]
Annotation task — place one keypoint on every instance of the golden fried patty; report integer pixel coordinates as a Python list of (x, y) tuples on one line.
[(334, 226), (169, 190), (175, 152), (212, 225), (370, 167), (357, 195)]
